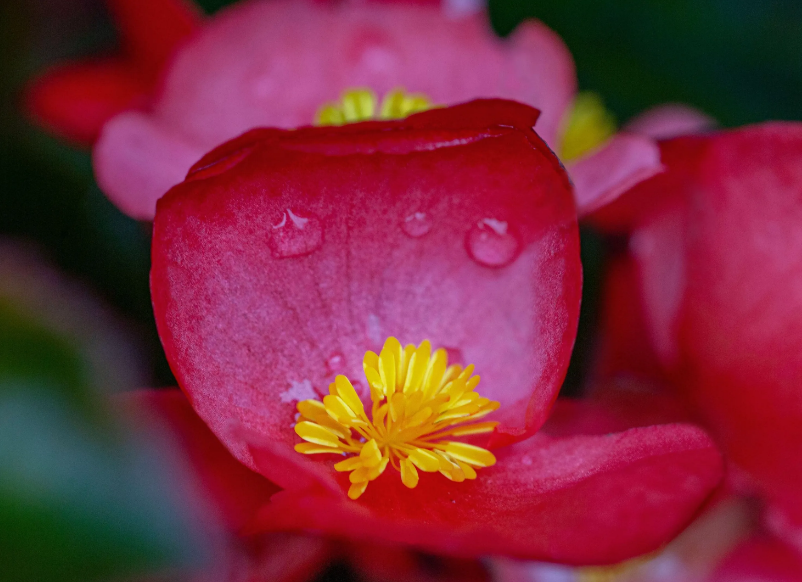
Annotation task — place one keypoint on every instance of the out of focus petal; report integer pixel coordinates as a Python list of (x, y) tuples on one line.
[(602, 176), (136, 161), (670, 120), (74, 100)]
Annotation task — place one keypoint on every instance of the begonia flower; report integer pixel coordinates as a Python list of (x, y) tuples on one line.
[(286, 259), (289, 63), (717, 247)]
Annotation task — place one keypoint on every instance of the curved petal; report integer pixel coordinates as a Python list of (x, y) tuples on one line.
[(74, 100), (136, 161), (670, 120), (601, 177), (578, 500), (236, 491), (302, 251)]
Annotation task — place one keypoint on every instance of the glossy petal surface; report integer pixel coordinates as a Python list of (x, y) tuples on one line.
[(580, 500), (301, 251)]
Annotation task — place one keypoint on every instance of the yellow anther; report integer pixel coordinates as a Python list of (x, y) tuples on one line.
[(360, 105), (418, 402), (587, 125)]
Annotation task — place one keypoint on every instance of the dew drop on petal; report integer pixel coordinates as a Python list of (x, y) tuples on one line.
[(417, 224), (335, 363), (492, 243), (296, 234)]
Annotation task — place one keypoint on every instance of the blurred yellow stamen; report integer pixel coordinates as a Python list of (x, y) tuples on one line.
[(360, 105), (418, 401), (587, 125)]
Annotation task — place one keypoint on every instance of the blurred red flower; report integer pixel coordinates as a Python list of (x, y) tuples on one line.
[(286, 255), (716, 290)]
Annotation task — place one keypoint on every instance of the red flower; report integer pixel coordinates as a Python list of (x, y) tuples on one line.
[(287, 255), (717, 245), (278, 63)]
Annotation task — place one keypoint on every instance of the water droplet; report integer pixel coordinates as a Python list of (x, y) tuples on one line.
[(335, 363), (295, 235), (417, 224), (492, 243), (526, 460)]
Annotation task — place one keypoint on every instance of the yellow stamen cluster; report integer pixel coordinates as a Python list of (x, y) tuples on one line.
[(418, 400), (360, 105), (587, 125)]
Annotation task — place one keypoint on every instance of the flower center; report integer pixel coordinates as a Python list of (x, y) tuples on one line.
[(587, 125), (360, 105), (419, 402)]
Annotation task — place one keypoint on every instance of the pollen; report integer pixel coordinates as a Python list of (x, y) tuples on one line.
[(419, 404), (363, 105), (587, 125)]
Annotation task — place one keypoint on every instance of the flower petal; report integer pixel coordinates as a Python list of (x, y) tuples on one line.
[(602, 176), (136, 161), (74, 100), (670, 120), (153, 29), (578, 500), (301, 251)]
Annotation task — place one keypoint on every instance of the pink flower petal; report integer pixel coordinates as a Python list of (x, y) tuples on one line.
[(136, 161), (601, 177), (670, 120)]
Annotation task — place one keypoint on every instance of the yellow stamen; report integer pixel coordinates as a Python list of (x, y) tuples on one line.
[(586, 126), (418, 401), (360, 105)]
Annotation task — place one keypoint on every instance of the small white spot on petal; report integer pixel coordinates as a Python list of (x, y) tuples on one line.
[(298, 391)]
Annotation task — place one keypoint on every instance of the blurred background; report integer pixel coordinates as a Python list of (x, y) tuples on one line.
[(75, 315)]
